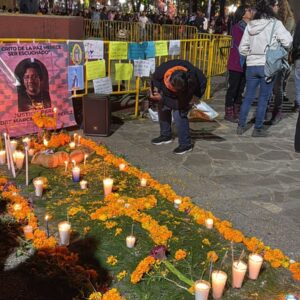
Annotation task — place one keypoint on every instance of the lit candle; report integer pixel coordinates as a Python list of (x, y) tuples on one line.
[(74, 162), (85, 157), (83, 184), (255, 263), (66, 165), (2, 157), (72, 145), (143, 182), (122, 167), (31, 152), (209, 223), (177, 203), (19, 157), (107, 185), (78, 139), (76, 174), (239, 269), (28, 230), (218, 283), (202, 288), (38, 184), (17, 207), (130, 241), (13, 145), (45, 143), (26, 141), (47, 217), (64, 229), (75, 137)]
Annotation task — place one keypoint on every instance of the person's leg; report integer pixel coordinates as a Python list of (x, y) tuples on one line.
[(297, 81), (297, 134), (278, 98), (239, 99), (231, 95)]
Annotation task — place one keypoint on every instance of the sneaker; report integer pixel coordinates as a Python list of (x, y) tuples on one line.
[(240, 130), (276, 118), (259, 132), (161, 140), (183, 149)]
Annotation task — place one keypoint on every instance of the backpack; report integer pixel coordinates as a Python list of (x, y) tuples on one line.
[(275, 59)]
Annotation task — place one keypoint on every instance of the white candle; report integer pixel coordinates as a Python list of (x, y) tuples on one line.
[(13, 145), (239, 269), (2, 157), (130, 241), (72, 145), (19, 157), (31, 152), (83, 184), (26, 141), (45, 142), (209, 223), (66, 165), (122, 167), (76, 174), (28, 230), (26, 162), (78, 139), (17, 207), (255, 263), (74, 162), (202, 288), (64, 230), (218, 283), (177, 203), (143, 182), (38, 184), (75, 137), (107, 185), (85, 157)]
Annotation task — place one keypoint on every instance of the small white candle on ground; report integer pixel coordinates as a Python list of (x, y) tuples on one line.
[(218, 283), (28, 230), (72, 145), (83, 184), (209, 223), (13, 145), (78, 139), (47, 217), (85, 157), (31, 152), (75, 137), (107, 185), (45, 142), (122, 167), (2, 157), (255, 262), (17, 207), (239, 269), (64, 230), (76, 174), (19, 157), (202, 288), (143, 182), (177, 203), (130, 241), (38, 184), (66, 165)]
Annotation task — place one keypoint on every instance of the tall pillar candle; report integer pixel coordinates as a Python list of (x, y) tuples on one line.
[(239, 269), (76, 174), (202, 288), (64, 230), (254, 263), (218, 283), (19, 157), (107, 185), (38, 184), (2, 157), (13, 145)]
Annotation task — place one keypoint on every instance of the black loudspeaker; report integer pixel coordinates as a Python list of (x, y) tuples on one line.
[(96, 115)]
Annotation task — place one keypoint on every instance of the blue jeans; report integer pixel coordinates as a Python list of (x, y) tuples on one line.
[(181, 122), (297, 80), (255, 77)]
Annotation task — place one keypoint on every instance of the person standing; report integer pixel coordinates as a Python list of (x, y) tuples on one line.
[(175, 83), (256, 38), (236, 68)]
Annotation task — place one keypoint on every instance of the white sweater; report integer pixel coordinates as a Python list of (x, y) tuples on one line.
[(257, 36)]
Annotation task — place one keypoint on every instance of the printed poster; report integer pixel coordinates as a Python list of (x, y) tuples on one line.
[(33, 77), (75, 78), (76, 53)]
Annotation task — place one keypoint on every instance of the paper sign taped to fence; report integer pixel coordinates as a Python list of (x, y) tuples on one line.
[(123, 71), (161, 48), (76, 52), (118, 50), (150, 49), (152, 64), (75, 78), (137, 50), (141, 68), (93, 49), (174, 47), (95, 69), (103, 86)]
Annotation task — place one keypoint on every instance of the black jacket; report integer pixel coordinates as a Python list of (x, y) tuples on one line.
[(296, 43), (196, 84)]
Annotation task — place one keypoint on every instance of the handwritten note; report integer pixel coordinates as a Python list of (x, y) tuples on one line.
[(95, 69), (118, 50), (123, 71), (93, 49), (103, 86), (137, 50), (174, 47), (150, 50), (152, 64), (161, 48), (141, 68)]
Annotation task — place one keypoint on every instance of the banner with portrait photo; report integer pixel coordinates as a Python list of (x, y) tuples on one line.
[(33, 77)]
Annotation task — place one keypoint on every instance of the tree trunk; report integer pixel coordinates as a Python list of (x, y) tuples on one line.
[(222, 8)]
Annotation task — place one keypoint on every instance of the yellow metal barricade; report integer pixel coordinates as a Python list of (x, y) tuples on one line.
[(177, 32)]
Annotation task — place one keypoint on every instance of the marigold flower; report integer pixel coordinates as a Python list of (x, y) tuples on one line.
[(112, 260), (142, 268), (212, 256), (95, 296), (180, 254)]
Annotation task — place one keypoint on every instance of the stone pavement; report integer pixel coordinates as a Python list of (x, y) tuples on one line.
[(252, 182)]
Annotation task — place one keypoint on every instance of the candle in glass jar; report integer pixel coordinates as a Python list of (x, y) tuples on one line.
[(76, 174), (31, 152), (143, 182), (2, 157), (130, 241), (239, 269), (28, 231), (202, 288), (107, 185), (218, 283), (177, 203), (64, 230), (72, 145), (209, 223), (83, 184), (122, 167), (38, 184), (19, 157), (13, 145), (255, 263)]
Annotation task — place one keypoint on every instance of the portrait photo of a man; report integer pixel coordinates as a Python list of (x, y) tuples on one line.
[(33, 91)]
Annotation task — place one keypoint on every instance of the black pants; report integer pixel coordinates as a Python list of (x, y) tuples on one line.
[(236, 82), (297, 135)]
